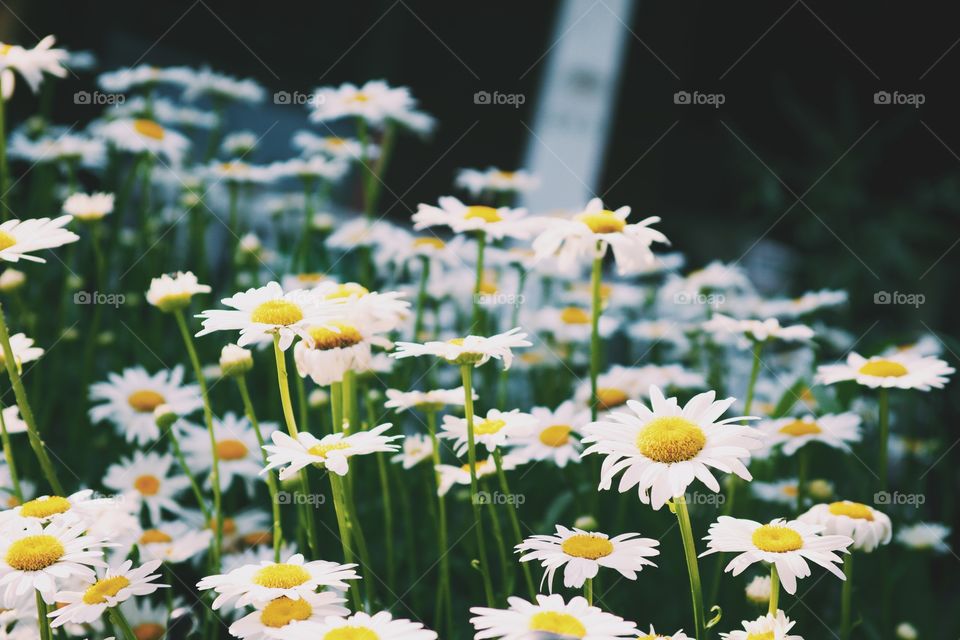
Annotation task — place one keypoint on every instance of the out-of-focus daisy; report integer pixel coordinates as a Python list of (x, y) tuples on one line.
[(89, 207), (494, 430), (758, 590), (664, 449), (335, 147), (653, 635), (433, 400), (555, 436), (116, 585), (550, 615), (836, 430), (493, 180), (925, 535), (283, 616), (148, 479), (496, 223), (757, 330), (32, 64), (331, 451), (142, 135), (572, 324), (128, 400), (128, 78), (375, 102), (900, 370), (23, 350), (172, 292), (238, 449), (57, 145), (786, 544), (261, 583), (12, 421), (81, 507), (596, 228), (198, 83), (11, 280), (416, 449), (659, 331), (770, 626), (620, 384), (805, 304), (868, 527), (906, 631), (235, 361), (581, 554), (328, 169), (173, 541), (475, 350), (19, 238), (238, 144), (380, 625), (451, 475)]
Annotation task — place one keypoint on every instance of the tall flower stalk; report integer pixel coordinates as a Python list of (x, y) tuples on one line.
[(679, 506), (514, 521), (596, 281), (466, 372), (11, 462), (443, 592)]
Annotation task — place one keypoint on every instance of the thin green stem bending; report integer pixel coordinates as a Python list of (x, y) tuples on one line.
[(466, 372), (690, 554)]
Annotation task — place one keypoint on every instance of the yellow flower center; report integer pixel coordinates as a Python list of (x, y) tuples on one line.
[(605, 221), (765, 635), (487, 214), (556, 435), (45, 507), (145, 400), (34, 553), (489, 427), (488, 286), (799, 428), (229, 525), (149, 129), (278, 312), (283, 611), (5, 48), (610, 397), (506, 175), (435, 243), (584, 545), (347, 290), (99, 591), (562, 624), (335, 142), (152, 536), (575, 315), (671, 439), (325, 338), (322, 450), (791, 490), (466, 357), (149, 631), (257, 538), (851, 510), (231, 450), (883, 369), (360, 96), (281, 576), (147, 484), (173, 301), (776, 538), (6, 240), (351, 633)]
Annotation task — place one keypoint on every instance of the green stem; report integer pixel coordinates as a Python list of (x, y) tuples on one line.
[(846, 598), (514, 521), (443, 593), (596, 279), (884, 399), (754, 374), (194, 485), (588, 591), (4, 167), (121, 621), (303, 412), (421, 299), (42, 620), (8, 454), (774, 591), (466, 372), (690, 554), (478, 283), (336, 406), (387, 519), (351, 409), (802, 466)]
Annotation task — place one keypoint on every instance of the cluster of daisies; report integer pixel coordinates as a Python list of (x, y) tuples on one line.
[(510, 347)]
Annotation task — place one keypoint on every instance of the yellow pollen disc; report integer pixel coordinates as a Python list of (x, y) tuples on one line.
[(489, 427), (481, 465), (231, 450), (257, 538), (575, 315), (335, 142), (671, 439), (351, 633), (99, 591), (487, 214), (562, 624), (149, 129), (605, 221), (151, 536), (610, 397), (278, 312), (556, 435), (584, 545), (851, 510), (6, 240), (325, 339), (435, 243), (776, 539), (506, 175), (45, 507), (34, 553), (149, 631), (791, 490), (883, 369), (488, 287), (145, 400), (147, 485), (5, 48), (347, 290), (281, 576), (322, 450), (12, 502), (766, 635), (650, 636), (229, 525), (360, 97), (283, 611), (800, 428)]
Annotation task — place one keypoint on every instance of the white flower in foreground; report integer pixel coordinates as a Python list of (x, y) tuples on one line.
[(23, 350), (416, 449), (173, 542), (581, 554), (331, 451), (556, 435), (663, 450), (260, 584), (18, 238), (758, 590), (172, 292), (148, 478), (142, 135), (786, 544), (836, 430), (653, 635), (925, 535), (592, 231), (475, 350), (868, 527), (360, 625), (757, 330), (435, 400), (34, 558), (32, 64), (282, 616), (768, 627), (89, 207), (79, 507), (496, 223), (117, 584), (899, 370), (334, 349), (550, 615), (496, 429), (493, 180)]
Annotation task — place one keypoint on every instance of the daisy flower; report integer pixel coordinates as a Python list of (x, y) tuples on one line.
[(267, 310), (581, 554), (174, 292), (555, 435), (868, 527), (925, 535), (663, 449), (375, 102), (653, 635), (334, 349), (331, 451), (435, 400), (235, 361), (806, 304), (18, 238), (11, 280), (450, 475), (416, 448), (496, 223), (12, 421), (311, 144), (382, 311), (147, 620), (173, 542), (118, 584), (780, 492), (259, 584), (494, 430), (283, 616), (550, 615), (147, 479), (81, 507), (32, 64), (492, 181), (128, 400), (475, 350), (23, 350), (238, 449), (595, 229), (757, 330), (89, 207), (620, 384), (381, 625), (774, 627), (788, 545), (572, 324), (34, 558), (758, 590), (198, 83), (142, 135), (836, 430), (903, 370)]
